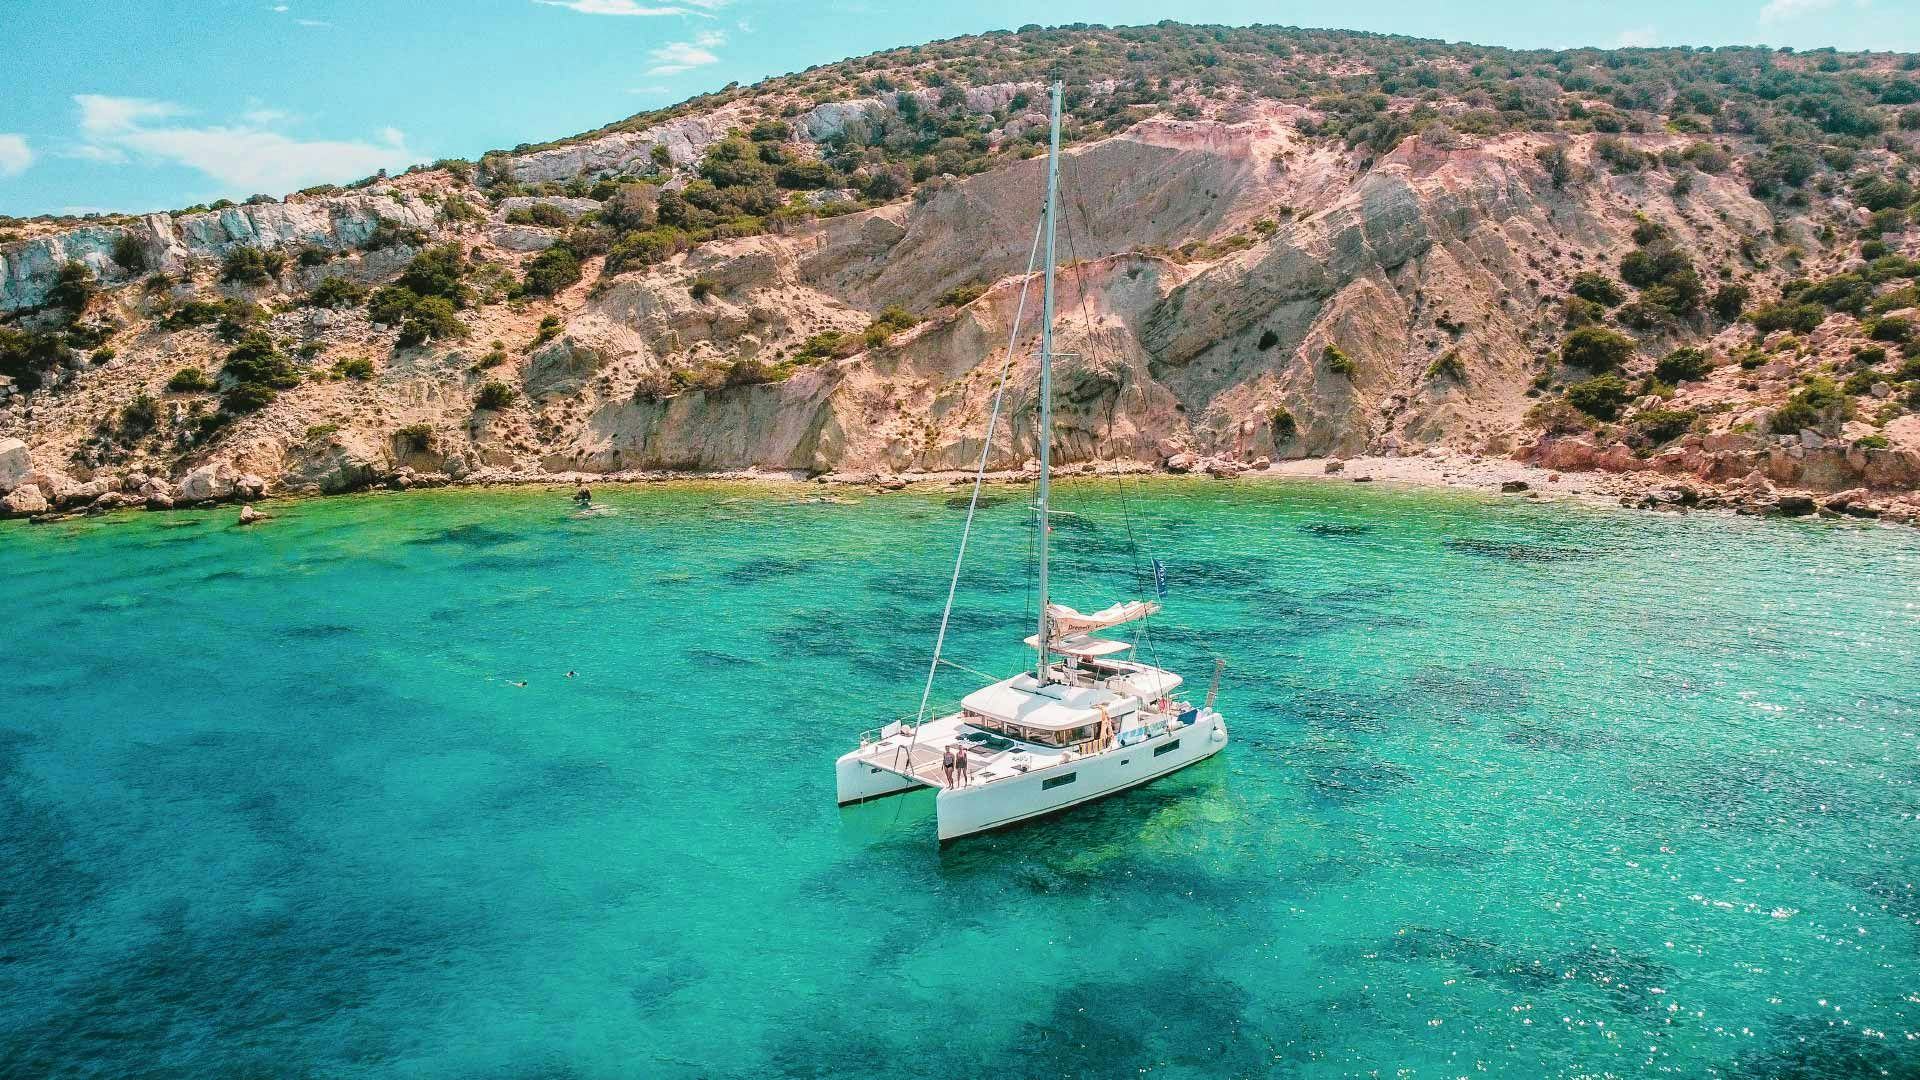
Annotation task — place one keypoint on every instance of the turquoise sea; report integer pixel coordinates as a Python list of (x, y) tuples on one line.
[(1514, 790)]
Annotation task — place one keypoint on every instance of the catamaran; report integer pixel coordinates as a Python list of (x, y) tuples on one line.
[(1087, 720)]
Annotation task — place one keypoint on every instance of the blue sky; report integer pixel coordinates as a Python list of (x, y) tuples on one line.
[(135, 105)]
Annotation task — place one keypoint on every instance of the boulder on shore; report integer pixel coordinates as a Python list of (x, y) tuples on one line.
[(23, 501), (248, 515), (15, 464)]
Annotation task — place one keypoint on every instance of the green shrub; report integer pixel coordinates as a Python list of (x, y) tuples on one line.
[(542, 214), (255, 371), (701, 288), (1660, 426), (1875, 441), (1890, 328), (1800, 318), (251, 266), (138, 417), (1860, 382), (1337, 361), (1596, 348), (1819, 403), (353, 367), (1683, 365), (494, 395), (1285, 427), (414, 438), (73, 287), (1595, 287), (389, 233), (551, 271), (189, 380), (1728, 301), (439, 271), (129, 254), (27, 356), (334, 291), (550, 328), (1601, 396), (646, 248), (961, 295), (1448, 366), (1268, 339)]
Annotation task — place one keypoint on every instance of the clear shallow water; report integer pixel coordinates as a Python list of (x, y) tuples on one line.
[(1514, 789)]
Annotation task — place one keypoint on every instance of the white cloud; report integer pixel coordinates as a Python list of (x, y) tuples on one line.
[(312, 22), (1640, 37), (1784, 10), (15, 155), (102, 115), (247, 156), (615, 7), (678, 56), (649, 90)]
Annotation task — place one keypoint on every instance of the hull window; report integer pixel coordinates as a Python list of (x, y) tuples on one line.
[(1164, 747), (1058, 781)]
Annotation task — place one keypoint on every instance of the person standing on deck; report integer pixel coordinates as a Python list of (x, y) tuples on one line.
[(960, 765), (946, 764)]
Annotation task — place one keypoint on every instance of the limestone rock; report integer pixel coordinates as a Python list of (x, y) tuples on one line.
[(1514, 486), (207, 483), (248, 515), (15, 464), (24, 500)]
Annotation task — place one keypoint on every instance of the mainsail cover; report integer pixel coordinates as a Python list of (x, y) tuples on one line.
[(1063, 620)]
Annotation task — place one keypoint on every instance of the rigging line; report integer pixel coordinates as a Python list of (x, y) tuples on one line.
[(979, 479)]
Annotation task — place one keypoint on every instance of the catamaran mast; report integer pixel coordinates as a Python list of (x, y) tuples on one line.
[(1046, 380)]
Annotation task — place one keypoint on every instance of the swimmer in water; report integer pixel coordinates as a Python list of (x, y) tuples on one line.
[(521, 682), (571, 674)]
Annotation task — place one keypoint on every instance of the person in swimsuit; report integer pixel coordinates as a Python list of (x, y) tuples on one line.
[(946, 764), (960, 766), (583, 498)]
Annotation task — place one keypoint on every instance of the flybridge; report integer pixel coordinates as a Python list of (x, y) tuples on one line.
[(1084, 721)]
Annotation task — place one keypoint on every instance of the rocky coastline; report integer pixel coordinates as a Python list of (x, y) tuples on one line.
[(44, 495)]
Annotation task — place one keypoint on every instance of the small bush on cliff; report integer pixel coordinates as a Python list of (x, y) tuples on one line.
[(1683, 365), (27, 356), (251, 266), (1800, 318), (256, 370), (1596, 287), (1600, 396), (1728, 301), (334, 291), (73, 288), (388, 233), (414, 438), (129, 254), (961, 295), (1268, 339), (1818, 404), (494, 395), (1337, 361), (545, 215), (1657, 427), (358, 368), (551, 271), (1285, 427), (1448, 366), (189, 380), (1596, 348), (1889, 329)]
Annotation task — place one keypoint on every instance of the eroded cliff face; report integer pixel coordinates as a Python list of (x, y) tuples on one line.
[(1228, 289)]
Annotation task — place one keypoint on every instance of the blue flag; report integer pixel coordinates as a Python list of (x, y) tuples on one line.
[(1160, 579)]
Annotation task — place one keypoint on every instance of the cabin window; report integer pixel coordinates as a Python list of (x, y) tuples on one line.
[(1058, 781), (1164, 747)]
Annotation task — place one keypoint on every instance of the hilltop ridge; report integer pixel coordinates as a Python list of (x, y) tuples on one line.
[(1695, 266)]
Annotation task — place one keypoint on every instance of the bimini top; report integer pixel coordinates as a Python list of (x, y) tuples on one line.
[(1065, 620), (1022, 700)]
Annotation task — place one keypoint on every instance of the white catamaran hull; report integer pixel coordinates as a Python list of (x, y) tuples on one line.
[(963, 811)]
